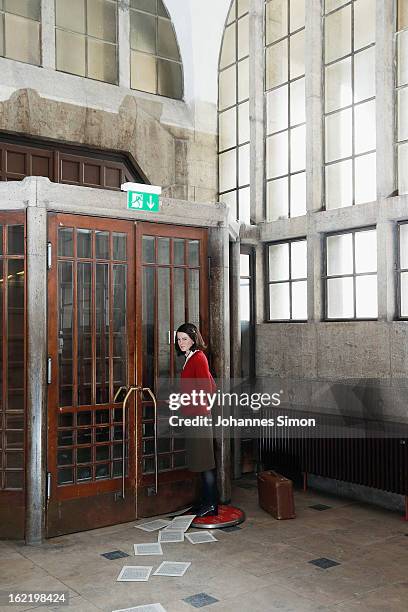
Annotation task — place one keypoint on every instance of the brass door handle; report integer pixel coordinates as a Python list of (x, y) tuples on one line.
[(129, 392)]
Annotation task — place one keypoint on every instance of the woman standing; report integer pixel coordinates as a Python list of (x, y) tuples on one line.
[(196, 376)]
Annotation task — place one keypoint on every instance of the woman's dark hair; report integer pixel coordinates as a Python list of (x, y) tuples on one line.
[(191, 330)]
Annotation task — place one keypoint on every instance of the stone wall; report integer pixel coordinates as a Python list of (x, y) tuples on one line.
[(179, 159), (357, 368)]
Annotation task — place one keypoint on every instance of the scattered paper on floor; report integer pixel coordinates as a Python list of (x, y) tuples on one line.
[(181, 523), (134, 573), (200, 537), (156, 607), (151, 548), (172, 568), (153, 525), (171, 535)]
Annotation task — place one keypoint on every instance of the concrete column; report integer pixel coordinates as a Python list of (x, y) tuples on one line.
[(385, 97), (314, 152), (256, 108), (386, 250), (314, 105), (220, 343), (36, 371), (235, 317), (48, 34), (315, 311), (124, 43)]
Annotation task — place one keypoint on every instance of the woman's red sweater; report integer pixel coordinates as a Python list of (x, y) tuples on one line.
[(196, 376)]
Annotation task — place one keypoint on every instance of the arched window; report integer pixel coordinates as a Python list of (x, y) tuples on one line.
[(20, 30), (350, 125), (402, 95), (285, 126), (155, 58), (86, 38), (233, 116)]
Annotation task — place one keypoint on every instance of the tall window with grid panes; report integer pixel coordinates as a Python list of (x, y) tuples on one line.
[(285, 125), (402, 95), (155, 61), (87, 44), (233, 116), (86, 38), (349, 102)]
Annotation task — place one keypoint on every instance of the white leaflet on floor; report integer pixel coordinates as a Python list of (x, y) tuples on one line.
[(179, 512), (134, 573), (200, 537), (171, 535), (153, 525), (156, 607), (172, 568), (152, 548), (181, 523)]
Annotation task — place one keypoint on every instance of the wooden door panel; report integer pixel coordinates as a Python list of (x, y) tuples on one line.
[(91, 345), (13, 374), (172, 288)]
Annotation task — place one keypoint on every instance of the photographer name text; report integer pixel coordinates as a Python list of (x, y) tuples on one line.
[(206, 421)]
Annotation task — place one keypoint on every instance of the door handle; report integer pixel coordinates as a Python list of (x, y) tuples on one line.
[(129, 392)]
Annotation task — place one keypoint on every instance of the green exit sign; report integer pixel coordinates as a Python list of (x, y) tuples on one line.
[(142, 197)]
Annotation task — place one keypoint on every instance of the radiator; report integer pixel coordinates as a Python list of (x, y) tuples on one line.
[(373, 461)]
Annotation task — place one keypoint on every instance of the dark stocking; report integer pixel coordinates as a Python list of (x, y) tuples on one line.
[(209, 491)]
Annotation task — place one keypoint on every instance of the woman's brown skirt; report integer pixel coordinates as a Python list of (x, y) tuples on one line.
[(199, 448)]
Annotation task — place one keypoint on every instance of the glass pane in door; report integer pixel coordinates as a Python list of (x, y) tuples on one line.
[(12, 375), (92, 353), (84, 304), (148, 327), (65, 333), (102, 332), (164, 337), (194, 297), (120, 345)]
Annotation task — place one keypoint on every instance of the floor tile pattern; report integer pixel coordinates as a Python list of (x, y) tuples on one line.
[(200, 600), (262, 566)]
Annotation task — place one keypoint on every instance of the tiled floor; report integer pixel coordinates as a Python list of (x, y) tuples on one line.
[(262, 567)]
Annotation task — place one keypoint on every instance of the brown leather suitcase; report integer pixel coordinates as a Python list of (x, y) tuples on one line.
[(276, 495)]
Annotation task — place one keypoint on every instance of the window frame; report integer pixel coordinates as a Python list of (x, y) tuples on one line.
[(397, 88), (3, 13), (288, 130), (234, 23), (86, 37), (156, 55), (398, 272), (351, 106), (326, 277), (289, 281)]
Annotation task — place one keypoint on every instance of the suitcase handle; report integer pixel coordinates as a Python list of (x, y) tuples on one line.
[(278, 476)]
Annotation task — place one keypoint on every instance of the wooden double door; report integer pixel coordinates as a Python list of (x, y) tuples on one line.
[(118, 290)]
